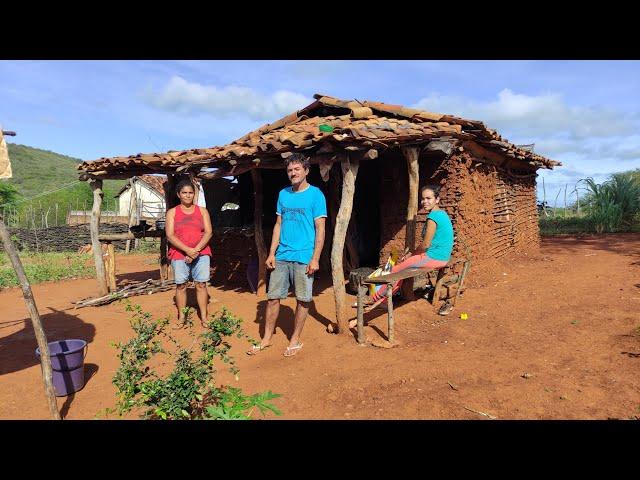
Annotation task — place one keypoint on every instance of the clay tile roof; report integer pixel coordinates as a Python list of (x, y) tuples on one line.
[(356, 125), (156, 182)]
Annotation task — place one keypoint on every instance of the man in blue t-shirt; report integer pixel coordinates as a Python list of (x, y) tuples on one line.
[(296, 244)]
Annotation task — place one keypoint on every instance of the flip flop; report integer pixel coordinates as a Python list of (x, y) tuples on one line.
[(255, 349), (291, 351)]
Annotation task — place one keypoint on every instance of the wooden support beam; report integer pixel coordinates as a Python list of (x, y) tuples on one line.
[(164, 261), (170, 201), (261, 248), (113, 237), (41, 338), (411, 154), (96, 186), (391, 330), (110, 267), (133, 201), (349, 175), (362, 291)]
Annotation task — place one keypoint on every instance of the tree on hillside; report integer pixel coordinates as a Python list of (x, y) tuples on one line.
[(9, 194)]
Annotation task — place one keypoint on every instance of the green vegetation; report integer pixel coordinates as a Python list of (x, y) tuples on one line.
[(189, 391), (44, 179), (42, 267), (609, 207), (9, 194)]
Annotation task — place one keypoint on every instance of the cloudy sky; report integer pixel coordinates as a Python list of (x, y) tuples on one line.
[(584, 113)]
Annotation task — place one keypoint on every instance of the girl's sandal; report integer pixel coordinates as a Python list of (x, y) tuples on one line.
[(255, 349)]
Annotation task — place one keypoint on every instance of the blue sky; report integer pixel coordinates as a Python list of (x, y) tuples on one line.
[(585, 114)]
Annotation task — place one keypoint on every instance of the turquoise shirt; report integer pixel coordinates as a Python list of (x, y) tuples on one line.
[(298, 230), (442, 243)]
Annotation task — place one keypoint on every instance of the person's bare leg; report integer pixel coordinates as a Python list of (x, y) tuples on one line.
[(301, 315), (271, 316), (181, 301), (202, 295)]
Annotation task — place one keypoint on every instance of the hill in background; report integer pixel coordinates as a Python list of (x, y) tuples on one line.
[(44, 179)]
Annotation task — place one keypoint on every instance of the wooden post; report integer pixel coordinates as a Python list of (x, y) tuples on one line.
[(258, 232), (411, 154), (170, 200), (390, 311), (164, 261), (362, 290), (132, 209), (110, 267), (96, 186), (41, 338), (349, 174)]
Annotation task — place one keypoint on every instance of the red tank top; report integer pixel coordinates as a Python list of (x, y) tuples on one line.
[(189, 229)]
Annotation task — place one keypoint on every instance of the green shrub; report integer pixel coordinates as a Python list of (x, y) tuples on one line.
[(189, 391), (613, 205)]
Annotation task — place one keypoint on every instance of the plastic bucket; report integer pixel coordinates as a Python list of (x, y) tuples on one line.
[(67, 363)]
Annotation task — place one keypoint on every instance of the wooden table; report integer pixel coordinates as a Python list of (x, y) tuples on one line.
[(387, 280)]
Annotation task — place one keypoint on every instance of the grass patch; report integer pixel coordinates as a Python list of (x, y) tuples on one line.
[(573, 225), (565, 226), (42, 267)]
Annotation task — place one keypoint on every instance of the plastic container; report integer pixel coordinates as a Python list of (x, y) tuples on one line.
[(67, 363)]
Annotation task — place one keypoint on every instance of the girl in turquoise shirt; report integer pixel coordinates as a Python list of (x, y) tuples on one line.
[(435, 250)]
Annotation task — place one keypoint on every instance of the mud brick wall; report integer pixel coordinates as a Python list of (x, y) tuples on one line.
[(394, 195), (63, 238), (492, 210), (516, 217), (232, 249)]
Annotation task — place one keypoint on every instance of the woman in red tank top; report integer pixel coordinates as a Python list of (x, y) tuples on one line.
[(188, 230)]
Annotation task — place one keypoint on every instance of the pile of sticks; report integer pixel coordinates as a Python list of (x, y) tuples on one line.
[(140, 288)]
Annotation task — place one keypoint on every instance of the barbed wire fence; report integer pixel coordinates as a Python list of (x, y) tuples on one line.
[(36, 214), (569, 206)]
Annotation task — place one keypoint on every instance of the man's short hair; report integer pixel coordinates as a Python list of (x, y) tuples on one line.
[(297, 158)]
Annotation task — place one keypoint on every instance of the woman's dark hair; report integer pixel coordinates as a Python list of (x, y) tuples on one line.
[(185, 182), (434, 188)]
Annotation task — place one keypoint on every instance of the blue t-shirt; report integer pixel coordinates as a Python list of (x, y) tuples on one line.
[(298, 231), (442, 243)]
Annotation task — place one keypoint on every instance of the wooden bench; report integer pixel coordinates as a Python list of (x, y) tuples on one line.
[(444, 279)]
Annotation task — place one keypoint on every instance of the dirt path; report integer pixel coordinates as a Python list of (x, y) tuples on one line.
[(568, 317)]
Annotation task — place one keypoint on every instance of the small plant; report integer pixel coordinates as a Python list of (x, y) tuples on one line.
[(188, 391), (188, 314)]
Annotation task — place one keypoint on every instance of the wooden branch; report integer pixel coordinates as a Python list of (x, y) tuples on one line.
[(349, 175), (147, 287), (41, 338), (96, 186), (256, 176)]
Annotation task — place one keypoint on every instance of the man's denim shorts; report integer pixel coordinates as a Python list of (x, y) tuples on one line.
[(286, 273), (198, 269)]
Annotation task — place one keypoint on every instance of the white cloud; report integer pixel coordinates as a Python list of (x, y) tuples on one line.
[(184, 97), (583, 138), (525, 115)]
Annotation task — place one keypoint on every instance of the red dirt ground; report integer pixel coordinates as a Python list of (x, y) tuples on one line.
[(567, 317)]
